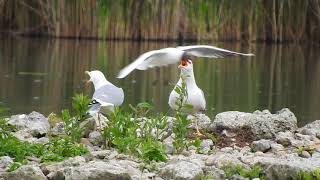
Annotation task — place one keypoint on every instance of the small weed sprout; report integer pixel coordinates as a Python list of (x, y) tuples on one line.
[(136, 136), (181, 123), (72, 123), (255, 172), (313, 175)]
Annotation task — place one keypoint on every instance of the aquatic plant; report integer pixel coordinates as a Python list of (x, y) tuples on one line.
[(252, 20)]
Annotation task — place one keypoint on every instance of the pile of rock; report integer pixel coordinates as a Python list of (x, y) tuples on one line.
[(272, 141)]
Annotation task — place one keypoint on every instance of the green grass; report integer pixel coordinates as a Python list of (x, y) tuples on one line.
[(255, 171), (314, 175), (57, 149)]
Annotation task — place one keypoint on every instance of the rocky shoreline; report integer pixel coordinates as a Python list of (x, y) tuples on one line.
[(270, 141)]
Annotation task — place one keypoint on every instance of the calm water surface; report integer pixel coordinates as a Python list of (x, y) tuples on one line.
[(43, 75)]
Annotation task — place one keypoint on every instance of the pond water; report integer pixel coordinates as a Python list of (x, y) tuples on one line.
[(43, 75)]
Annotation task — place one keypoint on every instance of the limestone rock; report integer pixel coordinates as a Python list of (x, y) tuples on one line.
[(26, 172), (283, 166), (5, 162), (262, 125), (285, 138), (181, 169), (215, 173), (34, 123), (262, 145), (97, 170), (95, 138)]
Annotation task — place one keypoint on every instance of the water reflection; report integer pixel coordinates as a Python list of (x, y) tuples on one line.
[(42, 75)]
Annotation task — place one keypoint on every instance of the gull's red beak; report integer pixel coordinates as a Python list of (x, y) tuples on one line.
[(183, 63)]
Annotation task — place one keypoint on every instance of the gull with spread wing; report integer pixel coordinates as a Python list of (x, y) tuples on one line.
[(166, 56)]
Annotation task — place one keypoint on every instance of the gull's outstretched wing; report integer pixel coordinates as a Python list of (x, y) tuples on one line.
[(141, 59), (210, 51), (109, 94)]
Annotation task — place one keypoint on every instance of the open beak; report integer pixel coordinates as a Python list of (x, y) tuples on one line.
[(183, 63)]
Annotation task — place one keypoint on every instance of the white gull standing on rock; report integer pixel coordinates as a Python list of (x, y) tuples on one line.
[(195, 96), (106, 95)]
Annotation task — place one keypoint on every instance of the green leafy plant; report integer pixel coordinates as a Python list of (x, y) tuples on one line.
[(60, 148), (142, 109), (72, 123), (255, 171), (136, 136), (313, 175), (181, 123)]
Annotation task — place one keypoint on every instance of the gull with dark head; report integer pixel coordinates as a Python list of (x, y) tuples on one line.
[(166, 56), (106, 96)]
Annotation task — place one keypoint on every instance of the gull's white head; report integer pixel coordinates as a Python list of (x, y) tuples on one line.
[(186, 67), (97, 78)]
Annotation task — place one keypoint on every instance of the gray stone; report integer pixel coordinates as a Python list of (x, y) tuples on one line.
[(71, 162), (168, 144), (306, 131), (214, 173), (297, 143), (285, 138), (261, 145), (238, 177), (42, 140), (206, 145), (24, 136), (276, 147), (181, 169), (27, 172), (86, 142), (5, 162), (203, 121), (305, 154), (262, 125), (226, 149), (95, 138), (97, 170), (88, 126), (34, 123), (310, 128), (58, 129), (103, 154), (221, 159), (283, 166)]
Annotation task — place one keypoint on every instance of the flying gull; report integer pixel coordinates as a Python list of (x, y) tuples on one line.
[(166, 56)]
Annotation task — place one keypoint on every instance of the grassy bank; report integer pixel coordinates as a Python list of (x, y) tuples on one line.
[(249, 20)]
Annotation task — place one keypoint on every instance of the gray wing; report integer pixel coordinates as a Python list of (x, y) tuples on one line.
[(109, 94), (210, 51)]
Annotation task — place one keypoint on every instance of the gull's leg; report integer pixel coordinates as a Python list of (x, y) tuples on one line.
[(198, 133), (99, 121)]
